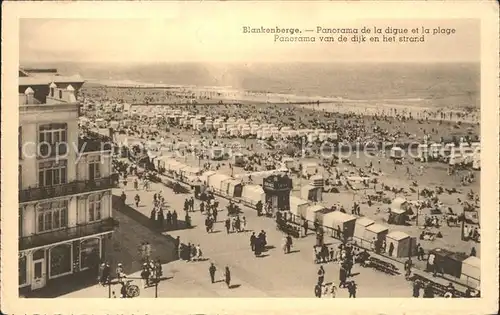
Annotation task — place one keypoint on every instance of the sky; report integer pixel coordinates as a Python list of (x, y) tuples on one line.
[(218, 37)]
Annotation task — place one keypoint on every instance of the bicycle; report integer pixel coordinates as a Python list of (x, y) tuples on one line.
[(131, 290)]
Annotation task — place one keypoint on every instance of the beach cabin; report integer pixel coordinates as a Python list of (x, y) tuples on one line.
[(423, 152), (298, 207), (245, 132), (476, 159), (435, 151), (206, 176), (447, 151), (217, 153), (323, 137), (471, 271), (251, 194), (221, 133), (309, 169), (127, 122), (311, 212), (231, 187), (288, 163), (209, 125), (266, 134), (336, 219), (360, 228), (456, 158), (311, 137), (234, 132), (376, 232), (215, 182), (333, 136), (100, 123), (239, 159), (403, 244), (396, 153)]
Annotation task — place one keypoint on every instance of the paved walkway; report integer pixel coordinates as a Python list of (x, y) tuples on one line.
[(274, 275)]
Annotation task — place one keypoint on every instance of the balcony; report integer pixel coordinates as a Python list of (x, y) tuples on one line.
[(73, 233), (75, 187), (94, 142)]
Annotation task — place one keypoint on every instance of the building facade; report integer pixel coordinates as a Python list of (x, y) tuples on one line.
[(65, 183)]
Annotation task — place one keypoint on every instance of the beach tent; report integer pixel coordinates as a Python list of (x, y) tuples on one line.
[(206, 176), (215, 181), (253, 194), (377, 231), (231, 187), (345, 221), (402, 243), (310, 168), (360, 228), (396, 153), (311, 212), (298, 206), (471, 271)]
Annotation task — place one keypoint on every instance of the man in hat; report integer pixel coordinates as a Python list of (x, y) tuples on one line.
[(212, 269)]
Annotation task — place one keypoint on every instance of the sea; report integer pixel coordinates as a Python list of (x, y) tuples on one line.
[(447, 85)]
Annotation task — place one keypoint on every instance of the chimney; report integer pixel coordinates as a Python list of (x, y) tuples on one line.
[(71, 94), (30, 95), (52, 87)]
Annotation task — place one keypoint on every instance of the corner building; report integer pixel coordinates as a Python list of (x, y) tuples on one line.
[(65, 183)]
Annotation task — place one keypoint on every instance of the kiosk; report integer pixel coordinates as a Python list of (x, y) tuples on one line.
[(277, 188)]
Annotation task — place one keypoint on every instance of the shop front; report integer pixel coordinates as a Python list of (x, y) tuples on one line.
[(37, 267)]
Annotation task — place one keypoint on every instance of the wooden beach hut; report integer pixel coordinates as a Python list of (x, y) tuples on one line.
[(402, 243)]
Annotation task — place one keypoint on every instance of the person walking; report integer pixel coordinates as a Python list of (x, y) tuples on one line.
[(321, 275), (227, 275), (253, 240), (145, 273), (317, 290), (228, 225), (211, 270), (137, 200), (352, 287)]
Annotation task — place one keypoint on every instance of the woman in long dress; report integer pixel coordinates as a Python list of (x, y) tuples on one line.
[(227, 275)]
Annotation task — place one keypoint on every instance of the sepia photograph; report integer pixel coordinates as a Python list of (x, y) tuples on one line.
[(269, 157)]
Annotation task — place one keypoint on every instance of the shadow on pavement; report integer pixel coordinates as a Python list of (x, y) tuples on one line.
[(234, 286), (144, 220), (63, 285)]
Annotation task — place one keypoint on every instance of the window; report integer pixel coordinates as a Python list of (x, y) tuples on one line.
[(89, 253), (52, 216), (52, 139), (60, 94), (52, 173), (94, 163), (60, 260), (94, 208)]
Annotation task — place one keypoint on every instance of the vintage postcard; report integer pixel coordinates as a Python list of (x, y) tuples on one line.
[(173, 154)]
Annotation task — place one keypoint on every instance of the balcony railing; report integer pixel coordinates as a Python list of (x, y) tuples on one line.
[(72, 233), (75, 187)]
